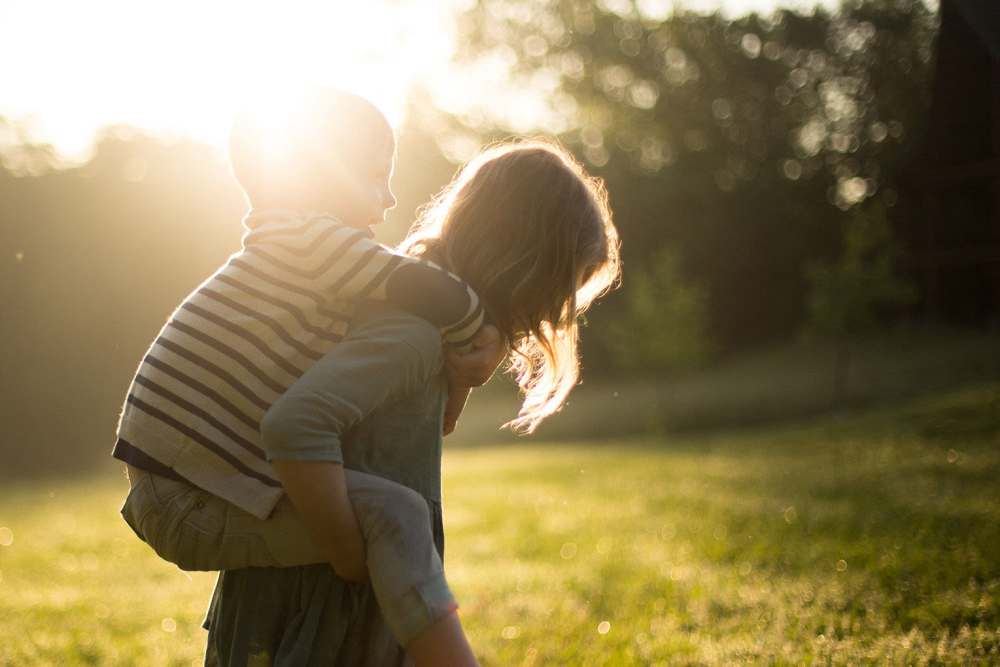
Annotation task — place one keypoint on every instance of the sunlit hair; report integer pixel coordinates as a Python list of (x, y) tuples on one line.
[(302, 143), (532, 233)]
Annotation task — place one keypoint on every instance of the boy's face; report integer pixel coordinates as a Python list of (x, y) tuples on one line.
[(370, 194)]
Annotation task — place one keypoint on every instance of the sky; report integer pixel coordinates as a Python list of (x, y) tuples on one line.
[(181, 68)]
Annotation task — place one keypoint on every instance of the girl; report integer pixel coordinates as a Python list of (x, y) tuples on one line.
[(532, 234)]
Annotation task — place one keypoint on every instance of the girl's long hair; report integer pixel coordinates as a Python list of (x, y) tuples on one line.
[(532, 233)]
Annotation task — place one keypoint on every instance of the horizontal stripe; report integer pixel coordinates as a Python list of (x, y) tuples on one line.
[(135, 457), (284, 300), (236, 330), (465, 331), (231, 353), (309, 274), (278, 330), (477, 311), (202, 440), (190, 407), (315, 297), (290, 308), (204, 390), (381, 276), (461, 336), (218, 372), (311, 246), (356, 268)]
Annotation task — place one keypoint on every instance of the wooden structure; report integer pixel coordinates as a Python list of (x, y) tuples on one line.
[(949, 222)]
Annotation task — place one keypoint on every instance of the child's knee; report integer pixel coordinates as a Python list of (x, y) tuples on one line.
[(395, 513)]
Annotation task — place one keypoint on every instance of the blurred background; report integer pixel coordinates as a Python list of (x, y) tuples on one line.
[(807, 193), (785, 446)]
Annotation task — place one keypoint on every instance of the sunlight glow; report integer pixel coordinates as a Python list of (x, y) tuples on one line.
[(182, 68)]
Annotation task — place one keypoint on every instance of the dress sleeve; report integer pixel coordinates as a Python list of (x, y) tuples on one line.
[(343, 262), (384, 357)]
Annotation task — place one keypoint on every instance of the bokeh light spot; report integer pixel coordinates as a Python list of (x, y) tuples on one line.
[(799, 77), (721, 109), (841, 565), (751, 45), (852, 190), (792, 169), (603, 628), (878, 131), (168, 625), (6, 536)]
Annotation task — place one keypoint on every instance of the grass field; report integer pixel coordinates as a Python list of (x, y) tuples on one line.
[(873, 537)]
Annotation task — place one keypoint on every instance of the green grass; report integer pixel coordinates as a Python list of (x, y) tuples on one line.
[(787, 380), (869, 538)]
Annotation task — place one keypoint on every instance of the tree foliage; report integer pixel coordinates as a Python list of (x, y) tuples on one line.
[(736, 142), (662, 326), (846, 295), (730, 149)]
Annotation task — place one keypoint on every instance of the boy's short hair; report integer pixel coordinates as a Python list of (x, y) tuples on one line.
[(314, 136)]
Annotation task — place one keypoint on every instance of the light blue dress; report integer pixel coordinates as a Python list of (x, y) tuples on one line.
[(307, 615)]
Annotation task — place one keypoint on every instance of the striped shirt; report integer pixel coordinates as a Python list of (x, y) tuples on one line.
[(248, 332)]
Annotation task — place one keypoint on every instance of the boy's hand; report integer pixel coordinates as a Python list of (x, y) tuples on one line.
[(469, 367), (474, 364)]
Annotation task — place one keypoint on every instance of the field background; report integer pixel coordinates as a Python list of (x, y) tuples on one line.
[(786, 445), (872, 536)]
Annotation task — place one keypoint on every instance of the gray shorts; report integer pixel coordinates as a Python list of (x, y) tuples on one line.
[(199, 531)]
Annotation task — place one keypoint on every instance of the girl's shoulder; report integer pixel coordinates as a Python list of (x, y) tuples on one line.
[(418, 341)]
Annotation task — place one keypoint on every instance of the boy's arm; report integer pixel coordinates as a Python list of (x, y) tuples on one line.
[(329, 257), (438, 296)]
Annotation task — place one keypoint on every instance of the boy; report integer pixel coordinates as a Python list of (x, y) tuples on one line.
[(189, 430)]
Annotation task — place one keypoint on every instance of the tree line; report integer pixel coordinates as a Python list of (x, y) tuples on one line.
[(750, 163)]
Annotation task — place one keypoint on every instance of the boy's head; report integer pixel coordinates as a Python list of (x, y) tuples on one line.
[(326, 151)]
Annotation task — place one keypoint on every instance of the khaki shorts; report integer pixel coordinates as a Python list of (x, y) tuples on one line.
[(196, 530)]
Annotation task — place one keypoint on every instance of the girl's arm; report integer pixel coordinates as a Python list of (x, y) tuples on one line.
[(382, 357)]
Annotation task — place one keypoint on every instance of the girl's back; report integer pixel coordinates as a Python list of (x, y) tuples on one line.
[(307, 615)]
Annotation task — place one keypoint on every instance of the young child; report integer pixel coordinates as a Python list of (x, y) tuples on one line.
[(203, 493), (532, 233)]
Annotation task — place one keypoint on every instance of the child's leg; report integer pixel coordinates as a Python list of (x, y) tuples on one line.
[(443, 643), (404, 567), (198, 531)]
